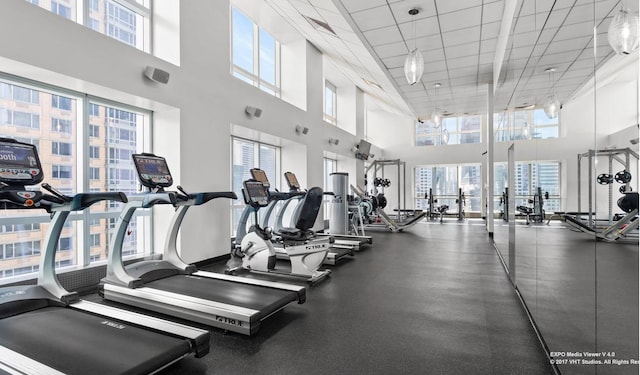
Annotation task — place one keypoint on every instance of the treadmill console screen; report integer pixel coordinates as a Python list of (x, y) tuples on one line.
[(260, 175), (257, 193), (292, 181), (19, 163), (153, 170)]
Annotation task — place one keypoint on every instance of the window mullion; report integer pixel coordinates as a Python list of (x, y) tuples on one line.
[(256, 55)]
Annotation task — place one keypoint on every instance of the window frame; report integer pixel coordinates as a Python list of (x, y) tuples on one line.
[(331, 118), (511, 131), (254, 78), (83, 9), (239, 203), (435, 133), (81, 140)]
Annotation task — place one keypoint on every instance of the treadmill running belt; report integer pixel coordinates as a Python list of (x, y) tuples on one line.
[(79, 343), (254, 297)]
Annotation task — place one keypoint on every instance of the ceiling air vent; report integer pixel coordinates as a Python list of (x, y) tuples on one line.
[(321, 26)]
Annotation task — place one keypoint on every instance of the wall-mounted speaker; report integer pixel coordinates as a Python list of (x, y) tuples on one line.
[(253, 111), (156, 74)]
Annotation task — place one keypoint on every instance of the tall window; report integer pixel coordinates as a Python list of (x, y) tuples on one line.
[(246, 155), (330, 103), (452, 131), (125, 20), (330, 166), (255, 54), (64, 168), (528, 177), (444, 182), (525, 124)]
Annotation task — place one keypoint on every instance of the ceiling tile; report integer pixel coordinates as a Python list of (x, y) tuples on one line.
[(423, 27), (462, 50), (428, 43), (491, 30), (374, 18), (463, 62), (392, 49), (358, 5), (383, 35), (448, 6), (492, 12), (401, 10), (461, 36), (460, 19)]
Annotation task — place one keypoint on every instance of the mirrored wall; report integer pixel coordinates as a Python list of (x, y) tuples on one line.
[(568, 105)]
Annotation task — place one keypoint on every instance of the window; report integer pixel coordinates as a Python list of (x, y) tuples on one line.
[(94, 152), (525, 124), (246, 155), (61, 171), (330, 103), (61, 102), (94, 131), (255, 54), (94, 239), (444, 181), (94, 110), (61, 10), (452, 131), (18, 93), (127, 21), (61, 148), (61, 126), (330, 166), (528, 177), (19, 118), (65, 244), (22, 230), (94, 173)]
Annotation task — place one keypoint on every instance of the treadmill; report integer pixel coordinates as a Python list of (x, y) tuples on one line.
[(44, 329), (172, 287)]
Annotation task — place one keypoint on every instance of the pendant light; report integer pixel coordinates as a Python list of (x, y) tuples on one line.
[(436, 115), (526, 131), (623, 32), (414, 63), (444, 137), (552, 104)]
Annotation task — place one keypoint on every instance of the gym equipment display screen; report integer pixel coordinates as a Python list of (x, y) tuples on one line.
[(257, 193), (260, 175), (19, 163), (292, 180), (153, 170)]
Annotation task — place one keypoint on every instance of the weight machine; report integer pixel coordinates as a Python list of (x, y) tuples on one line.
[(374, 203), (615, 227), (442, 210)]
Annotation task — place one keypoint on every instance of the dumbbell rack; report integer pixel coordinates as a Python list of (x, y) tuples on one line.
[(623, 157)]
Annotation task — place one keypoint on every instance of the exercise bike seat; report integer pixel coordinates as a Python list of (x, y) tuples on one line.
[(307, 215)]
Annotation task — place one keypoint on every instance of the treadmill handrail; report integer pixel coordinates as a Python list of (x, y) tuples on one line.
[(151, 199)]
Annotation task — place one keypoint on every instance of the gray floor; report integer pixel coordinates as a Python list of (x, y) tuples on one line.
[(432, 300)]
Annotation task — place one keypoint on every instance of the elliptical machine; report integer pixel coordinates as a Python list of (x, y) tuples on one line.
[(306, 253)]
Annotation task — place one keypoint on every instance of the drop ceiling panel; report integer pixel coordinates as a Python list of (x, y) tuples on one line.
[(448, 6), (492, 12), (490, 30), (374, 18), (461, 36), (401, 9), (384, 35), (423, 27), (391, 50), (460, 19), (463, 62), (359, 5), (462, 50)]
